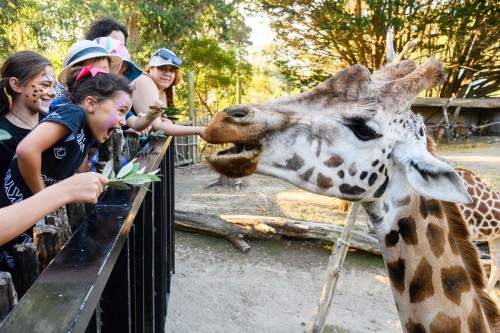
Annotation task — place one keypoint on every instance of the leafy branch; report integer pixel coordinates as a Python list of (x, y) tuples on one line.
[(168, 111), (129, 174), (157, 134)]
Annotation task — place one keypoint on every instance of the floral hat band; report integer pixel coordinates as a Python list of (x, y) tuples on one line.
[(90, 70)]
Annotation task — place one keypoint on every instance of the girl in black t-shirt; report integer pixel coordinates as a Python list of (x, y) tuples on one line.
[(57, 147), (26, 91)]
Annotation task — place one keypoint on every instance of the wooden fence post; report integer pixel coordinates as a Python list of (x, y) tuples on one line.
[(7, 294), (46, 238), (26, 271)]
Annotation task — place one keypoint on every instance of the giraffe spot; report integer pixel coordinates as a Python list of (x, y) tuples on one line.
[(381, 168), (403, 202), (412, 327), (334, 161), (35, 90), (392, 238), (430, 207), (341, 174), (396, 271), (363, 175), (408, 230), (306, 175), (324, 181), (389, 156), (374, 163), (372, 179), (41, 90), (294, 163), (455, 282), (352, 190), (486, 232), (435, 236), (353, 170), (421, 286), (494, 224), (381, 190), (475, 320), (443, 323), (453, 245)]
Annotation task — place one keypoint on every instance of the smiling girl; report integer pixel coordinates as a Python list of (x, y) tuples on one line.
[(26, 90), (57, 147)]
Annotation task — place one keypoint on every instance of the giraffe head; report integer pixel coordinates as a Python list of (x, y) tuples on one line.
[(348, 137)]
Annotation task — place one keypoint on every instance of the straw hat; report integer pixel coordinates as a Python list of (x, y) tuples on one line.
[(116, 47), (87, 49)]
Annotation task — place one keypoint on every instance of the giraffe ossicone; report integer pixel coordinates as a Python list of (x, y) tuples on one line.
[(355, 137)]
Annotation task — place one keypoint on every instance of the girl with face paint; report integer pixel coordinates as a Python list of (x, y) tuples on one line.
[(26, 91), (56, 148)]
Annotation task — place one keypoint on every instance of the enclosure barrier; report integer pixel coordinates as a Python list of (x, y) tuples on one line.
[(114, 273)]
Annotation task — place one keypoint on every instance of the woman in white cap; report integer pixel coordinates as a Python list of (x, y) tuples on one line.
[(163, 68)]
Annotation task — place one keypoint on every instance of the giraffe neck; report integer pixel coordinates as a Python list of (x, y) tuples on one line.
[(430, 282)]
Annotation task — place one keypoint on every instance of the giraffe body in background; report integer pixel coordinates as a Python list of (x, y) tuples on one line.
[(483, 218), (354, 137)]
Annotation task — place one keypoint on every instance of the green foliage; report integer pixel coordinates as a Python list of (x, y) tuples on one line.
[(129, 174), (325, 36)]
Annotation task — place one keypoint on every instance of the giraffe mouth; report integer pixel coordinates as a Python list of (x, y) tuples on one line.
[(237, 161)]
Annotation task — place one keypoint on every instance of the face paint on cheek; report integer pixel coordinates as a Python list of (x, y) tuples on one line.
[(111, 121), (120, 104)]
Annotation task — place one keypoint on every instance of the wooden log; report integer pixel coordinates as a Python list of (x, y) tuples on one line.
[(131, 147), (26, 263), (59, 219), (236, 227), (46, 238), (76, 215), (7, 294), (111, 149)]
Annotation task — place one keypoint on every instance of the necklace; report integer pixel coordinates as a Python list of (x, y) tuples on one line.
[(21, 119)]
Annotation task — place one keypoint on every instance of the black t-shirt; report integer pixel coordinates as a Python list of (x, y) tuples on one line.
[(58, 162), (8, 147)]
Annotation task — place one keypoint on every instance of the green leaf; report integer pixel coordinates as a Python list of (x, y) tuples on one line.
[(126, 169), (4, 135), (136, 179), (108, 169), (153, 178), (140, 172), (154, 172), (118, 185)]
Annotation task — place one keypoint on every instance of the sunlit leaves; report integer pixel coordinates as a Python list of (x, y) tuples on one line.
[(129, 174)]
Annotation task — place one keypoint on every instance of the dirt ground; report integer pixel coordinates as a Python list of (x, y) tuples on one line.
[(276, 285)]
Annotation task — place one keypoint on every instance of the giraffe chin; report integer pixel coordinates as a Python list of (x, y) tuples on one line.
[(236, 161)]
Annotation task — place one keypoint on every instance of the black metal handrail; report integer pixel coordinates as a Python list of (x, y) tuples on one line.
[(114, 274)]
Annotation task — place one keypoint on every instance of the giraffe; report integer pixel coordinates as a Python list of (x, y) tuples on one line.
[(482, 215), (354, 137)]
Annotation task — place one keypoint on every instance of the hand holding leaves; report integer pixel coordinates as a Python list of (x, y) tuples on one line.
[(129, 174), (168, 111)]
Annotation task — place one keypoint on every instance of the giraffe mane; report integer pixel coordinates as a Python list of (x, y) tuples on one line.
[(472, 263)]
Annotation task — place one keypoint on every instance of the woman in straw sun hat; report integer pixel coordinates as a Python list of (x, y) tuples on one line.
[(86, 53)]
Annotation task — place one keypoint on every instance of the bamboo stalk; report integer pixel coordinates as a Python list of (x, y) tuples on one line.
[(339, 251)]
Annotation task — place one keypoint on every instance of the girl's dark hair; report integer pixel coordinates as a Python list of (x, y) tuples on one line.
[(103, 27), (24, 66), (102, 86)]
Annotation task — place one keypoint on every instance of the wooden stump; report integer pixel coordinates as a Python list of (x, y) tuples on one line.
[(26, 264), (111, 149), (46, 238), (7, 294), (76, 215), (59, 219), (131, 147)]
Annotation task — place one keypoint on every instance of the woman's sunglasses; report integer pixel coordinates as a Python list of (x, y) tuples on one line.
[(167, 55)]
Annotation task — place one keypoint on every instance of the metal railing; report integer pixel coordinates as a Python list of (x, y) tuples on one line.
[(114, 274)]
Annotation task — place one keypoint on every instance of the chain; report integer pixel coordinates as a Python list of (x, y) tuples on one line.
[(21, 119)]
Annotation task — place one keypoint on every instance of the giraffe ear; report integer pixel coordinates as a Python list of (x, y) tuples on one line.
[(430, 176)]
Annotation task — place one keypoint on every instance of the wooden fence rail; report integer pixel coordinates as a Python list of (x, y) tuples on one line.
[(114, 273)]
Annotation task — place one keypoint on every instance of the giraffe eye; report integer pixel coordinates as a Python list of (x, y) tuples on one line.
[(363, 132)]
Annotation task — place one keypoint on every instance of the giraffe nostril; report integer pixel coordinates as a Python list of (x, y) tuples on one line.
[(237, 113)]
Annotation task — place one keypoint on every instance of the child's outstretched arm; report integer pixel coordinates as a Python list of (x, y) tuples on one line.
[(30, 149), (16, 218)]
